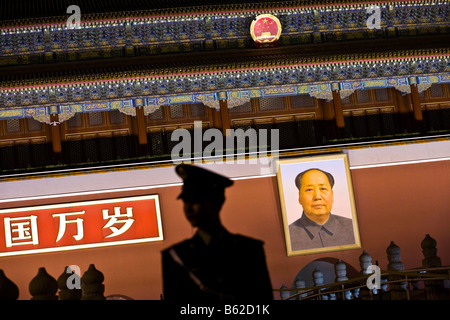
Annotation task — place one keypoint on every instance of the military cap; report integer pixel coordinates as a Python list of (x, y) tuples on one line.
[(198, 182)]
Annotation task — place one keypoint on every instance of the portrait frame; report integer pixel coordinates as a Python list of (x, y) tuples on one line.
[(343, 205)]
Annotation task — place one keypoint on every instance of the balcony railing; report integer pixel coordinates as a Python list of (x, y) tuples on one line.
[(413, 284)]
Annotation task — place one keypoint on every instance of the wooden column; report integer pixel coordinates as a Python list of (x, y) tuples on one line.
[(403, 108), (328, 128), (416, 103), (327, 109), (224, 116), (55, 133), (402, 105), (216, 119), (340, 122), (141, 128)]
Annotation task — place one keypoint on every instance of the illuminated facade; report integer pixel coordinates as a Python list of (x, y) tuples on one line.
[(116, 88), (87, 107)]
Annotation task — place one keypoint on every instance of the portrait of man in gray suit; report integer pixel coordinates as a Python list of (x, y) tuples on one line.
[(317, 226)]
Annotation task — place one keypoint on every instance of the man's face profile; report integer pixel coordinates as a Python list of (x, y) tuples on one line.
[(316, 196)]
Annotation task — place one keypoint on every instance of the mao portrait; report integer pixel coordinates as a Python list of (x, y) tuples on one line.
[(317, 204)]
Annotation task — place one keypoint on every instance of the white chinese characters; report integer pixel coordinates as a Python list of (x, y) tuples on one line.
[(63, 221), (24, 230), (21, 230), (114, 219)]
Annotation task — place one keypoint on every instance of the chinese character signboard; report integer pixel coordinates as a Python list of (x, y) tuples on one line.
[(80, 225)]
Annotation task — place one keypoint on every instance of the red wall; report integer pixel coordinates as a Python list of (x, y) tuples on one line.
[(401, 203)]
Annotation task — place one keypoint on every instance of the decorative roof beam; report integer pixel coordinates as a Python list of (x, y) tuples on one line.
[(126, 94), (150, 33)]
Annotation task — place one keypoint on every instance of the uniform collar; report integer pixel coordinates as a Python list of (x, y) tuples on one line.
[(207, 237)]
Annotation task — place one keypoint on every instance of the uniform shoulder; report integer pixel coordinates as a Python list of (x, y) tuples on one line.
[(244, 240), (177, 246)]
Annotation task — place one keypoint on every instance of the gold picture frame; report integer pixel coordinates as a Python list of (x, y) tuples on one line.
[(308, 236)]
